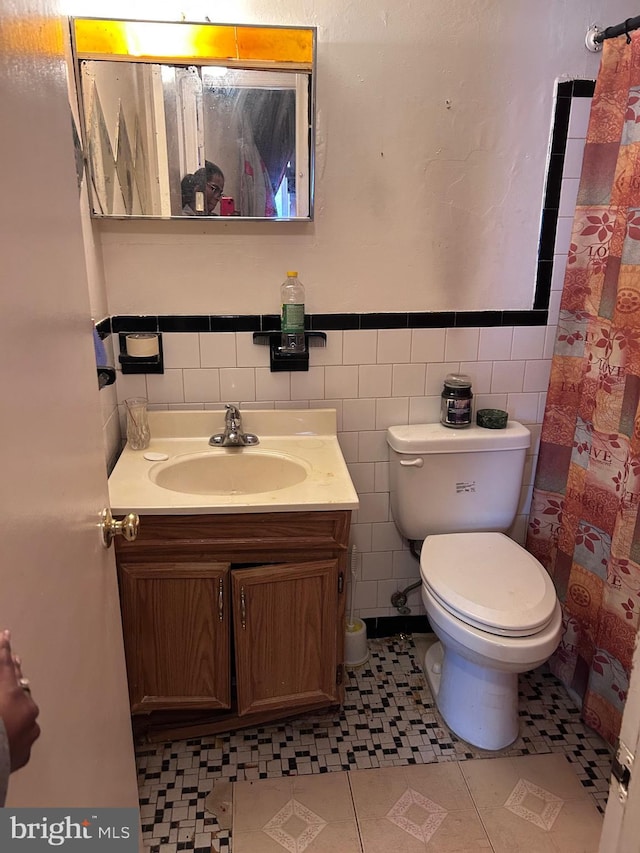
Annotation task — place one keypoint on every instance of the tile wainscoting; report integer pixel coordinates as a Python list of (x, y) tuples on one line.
[(374, 378)]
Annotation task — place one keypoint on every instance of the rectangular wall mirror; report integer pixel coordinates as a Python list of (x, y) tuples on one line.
[(184, 120)]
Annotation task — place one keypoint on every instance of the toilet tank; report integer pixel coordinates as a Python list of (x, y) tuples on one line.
[(446, 480)]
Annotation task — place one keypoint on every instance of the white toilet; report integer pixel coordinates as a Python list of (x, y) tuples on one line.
[(491, 604)]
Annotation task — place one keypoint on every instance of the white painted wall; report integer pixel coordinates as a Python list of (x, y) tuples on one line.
[(433, 126)]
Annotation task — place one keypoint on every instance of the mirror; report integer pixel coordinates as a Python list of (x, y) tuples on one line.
[(191, 121)]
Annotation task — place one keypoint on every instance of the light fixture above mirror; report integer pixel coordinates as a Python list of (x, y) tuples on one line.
[(186, 120)]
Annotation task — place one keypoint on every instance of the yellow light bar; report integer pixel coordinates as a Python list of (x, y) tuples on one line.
[(149, 41)]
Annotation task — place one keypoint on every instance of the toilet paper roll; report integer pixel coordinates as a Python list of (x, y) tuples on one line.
[(356, 651), (142, 346)]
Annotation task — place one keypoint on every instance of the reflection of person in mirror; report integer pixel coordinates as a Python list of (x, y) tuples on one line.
[(202, 190), (18, 713)]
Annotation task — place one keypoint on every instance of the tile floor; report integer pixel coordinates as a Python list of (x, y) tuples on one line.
[(546, 791), (508, 805)]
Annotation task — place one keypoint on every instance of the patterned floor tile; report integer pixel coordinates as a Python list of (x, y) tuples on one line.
[(389, 719), (417, 815), (534, 804)]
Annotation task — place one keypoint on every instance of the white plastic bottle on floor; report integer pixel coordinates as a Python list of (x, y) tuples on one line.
[(292, 298)]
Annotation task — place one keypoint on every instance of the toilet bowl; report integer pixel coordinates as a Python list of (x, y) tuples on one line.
[(495, 612), (491, 604)]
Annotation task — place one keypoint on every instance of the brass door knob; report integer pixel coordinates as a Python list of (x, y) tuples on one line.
[(109, 527)]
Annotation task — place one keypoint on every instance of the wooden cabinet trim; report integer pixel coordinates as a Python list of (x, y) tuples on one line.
[(255, 535), (147, 569)]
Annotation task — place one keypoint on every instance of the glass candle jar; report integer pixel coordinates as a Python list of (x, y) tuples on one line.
[(456, 401)]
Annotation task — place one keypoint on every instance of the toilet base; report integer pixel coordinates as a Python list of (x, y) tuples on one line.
[(479, 705), (433, 667)]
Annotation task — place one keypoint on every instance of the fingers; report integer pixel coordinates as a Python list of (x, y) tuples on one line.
[(9, 663), (22, 739), (18, 710), (17, 665), (8, 675), (5, 643)]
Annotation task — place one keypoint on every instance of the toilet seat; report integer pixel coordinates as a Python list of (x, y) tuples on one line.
[(488, 581)]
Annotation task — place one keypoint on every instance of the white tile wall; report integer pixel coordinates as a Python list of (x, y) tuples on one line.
[(369, 396), (579, 118), (461, 344), (427, 345), (375, 378), (495, 343), (528, 342)]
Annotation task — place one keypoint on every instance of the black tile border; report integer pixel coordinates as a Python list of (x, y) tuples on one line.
[(565, 92), (525, 318), (384, 321), (184, 324), (388, 626), (331, 322), (134, 323), (583, 88), (326, 322), (432, 320), (103, 328)]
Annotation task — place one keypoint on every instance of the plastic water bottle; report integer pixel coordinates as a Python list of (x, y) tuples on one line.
[(292, 298)]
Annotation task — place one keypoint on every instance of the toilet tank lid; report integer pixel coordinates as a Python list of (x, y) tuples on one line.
[(436, 438)]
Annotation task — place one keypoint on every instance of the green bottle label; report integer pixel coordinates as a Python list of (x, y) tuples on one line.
[(293, 318)]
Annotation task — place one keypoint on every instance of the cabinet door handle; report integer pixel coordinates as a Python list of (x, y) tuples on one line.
[(243, 609), (220, 600)]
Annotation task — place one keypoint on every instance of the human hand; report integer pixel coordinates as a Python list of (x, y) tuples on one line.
[(17, 709)]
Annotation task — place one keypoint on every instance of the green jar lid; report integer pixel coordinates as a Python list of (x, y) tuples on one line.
[(492, 418)]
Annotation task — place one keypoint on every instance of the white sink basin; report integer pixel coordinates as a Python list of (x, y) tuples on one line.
[(298, 466), (234, 472)]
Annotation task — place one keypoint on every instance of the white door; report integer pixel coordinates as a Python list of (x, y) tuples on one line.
[(58, 591), (621, 831)]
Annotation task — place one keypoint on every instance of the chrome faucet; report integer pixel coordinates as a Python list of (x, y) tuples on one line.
[(233, 435)]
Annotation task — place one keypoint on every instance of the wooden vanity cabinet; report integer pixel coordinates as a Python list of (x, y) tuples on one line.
[(232, 620), (285, 635), (175, 618)]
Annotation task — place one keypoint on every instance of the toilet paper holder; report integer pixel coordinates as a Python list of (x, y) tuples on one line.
[(144, 342)]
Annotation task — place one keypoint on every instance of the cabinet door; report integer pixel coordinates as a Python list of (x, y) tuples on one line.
[(176, 628), (285, 628)]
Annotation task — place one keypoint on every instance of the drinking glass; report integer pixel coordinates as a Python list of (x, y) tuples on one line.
[(138, 434)]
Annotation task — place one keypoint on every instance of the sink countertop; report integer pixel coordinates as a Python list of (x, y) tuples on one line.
[(307, 436)]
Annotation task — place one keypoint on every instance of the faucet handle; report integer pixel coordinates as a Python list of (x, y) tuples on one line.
[(233, 435), (232, 411)]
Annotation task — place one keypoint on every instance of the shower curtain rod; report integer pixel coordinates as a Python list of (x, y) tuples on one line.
[(619, 30)]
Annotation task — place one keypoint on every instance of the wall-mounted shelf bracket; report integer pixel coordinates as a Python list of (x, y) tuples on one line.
[(106, 376), (281, 359), (140, 364)]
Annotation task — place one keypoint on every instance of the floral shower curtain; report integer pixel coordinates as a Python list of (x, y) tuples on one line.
[(584, 524)]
